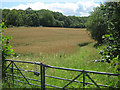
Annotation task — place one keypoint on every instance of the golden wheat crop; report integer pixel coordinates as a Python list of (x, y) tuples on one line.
[(46, 39)]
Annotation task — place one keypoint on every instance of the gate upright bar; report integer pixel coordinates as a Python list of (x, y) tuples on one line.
[(12, 73), (42, 77), (83, 79)]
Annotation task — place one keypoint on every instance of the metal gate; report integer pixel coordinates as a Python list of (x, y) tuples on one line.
[(12, 66)]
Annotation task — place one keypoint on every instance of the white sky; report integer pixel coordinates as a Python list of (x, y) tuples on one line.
[(67, 7)]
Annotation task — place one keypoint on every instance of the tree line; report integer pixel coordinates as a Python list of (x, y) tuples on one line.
[(41, 17), (104, 25)]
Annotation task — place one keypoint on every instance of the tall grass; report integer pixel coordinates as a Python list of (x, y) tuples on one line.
[(82, 59)]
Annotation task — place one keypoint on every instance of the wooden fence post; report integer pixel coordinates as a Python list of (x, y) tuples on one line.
[(42, 77)]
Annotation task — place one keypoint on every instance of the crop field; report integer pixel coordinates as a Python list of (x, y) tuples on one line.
[(38, 40), (61, 47), (64, 47)]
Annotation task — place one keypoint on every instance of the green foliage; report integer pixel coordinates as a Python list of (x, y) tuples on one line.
[(42, 17), (13, 18), (104, 20), (47, 19), (104, 25), (96, 24), (6, 47), (111, 51)]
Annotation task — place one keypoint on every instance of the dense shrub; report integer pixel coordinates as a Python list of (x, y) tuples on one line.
[(6, 47)]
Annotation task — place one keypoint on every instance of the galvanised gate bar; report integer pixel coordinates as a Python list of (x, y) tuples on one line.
[(43, 67)]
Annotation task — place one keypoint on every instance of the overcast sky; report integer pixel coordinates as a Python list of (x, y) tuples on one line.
[(67, 7)]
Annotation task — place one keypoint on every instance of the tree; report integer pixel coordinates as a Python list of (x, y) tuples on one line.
[(112, 38), (14, 18), (42, 17), (4, 14), (109, 15), (111, 52), (47, 19), (96, 24), (106, 18)]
